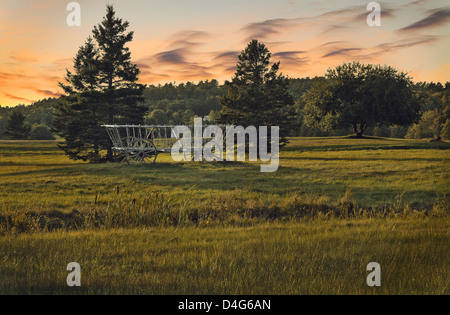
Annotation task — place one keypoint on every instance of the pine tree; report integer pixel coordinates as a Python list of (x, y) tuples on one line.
[(258, 95), (103, 89), (15, 128), (81, 112), (117, 76)]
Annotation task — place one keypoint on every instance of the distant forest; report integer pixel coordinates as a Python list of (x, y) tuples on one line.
[(178, 104)]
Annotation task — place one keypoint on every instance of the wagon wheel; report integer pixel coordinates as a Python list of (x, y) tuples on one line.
[(122, 153), (121, 156), (142, 151)]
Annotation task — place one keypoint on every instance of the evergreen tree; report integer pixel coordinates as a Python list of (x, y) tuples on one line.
[(81, 112), (117, 76), (258, 95), (103, 89), (15, 128)]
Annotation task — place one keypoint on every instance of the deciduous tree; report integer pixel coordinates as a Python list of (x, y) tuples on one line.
[(360, 95)]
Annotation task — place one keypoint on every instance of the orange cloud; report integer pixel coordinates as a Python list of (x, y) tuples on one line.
[(17, 98), (306, 38)]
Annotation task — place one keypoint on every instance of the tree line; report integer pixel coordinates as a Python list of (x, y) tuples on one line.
[(174, 104), (103, 88)]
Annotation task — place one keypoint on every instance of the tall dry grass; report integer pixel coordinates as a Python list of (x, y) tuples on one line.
[(127, 208)]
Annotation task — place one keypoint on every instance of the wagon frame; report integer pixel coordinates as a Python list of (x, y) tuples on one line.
[(141, 144)]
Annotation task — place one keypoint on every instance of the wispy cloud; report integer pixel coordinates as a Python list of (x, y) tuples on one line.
[(226, 55), (341, 52), (13, 76), (407, 43), (176, 57), (307, 37), (189, 38), (341, 19), (293, 59), (414, 3), (341, 49), (17, 98), (181, 46), (23, 58), (48, 93), (437, 17), (264, 29)]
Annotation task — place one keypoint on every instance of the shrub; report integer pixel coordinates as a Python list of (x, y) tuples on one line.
[(381, 131), (41, 132), (429, 126), (398, 132), (445, 134)]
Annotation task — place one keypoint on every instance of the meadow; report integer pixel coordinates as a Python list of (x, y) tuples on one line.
[(335, 205)]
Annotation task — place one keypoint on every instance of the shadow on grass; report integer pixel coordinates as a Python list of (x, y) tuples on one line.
[(369, 147), (306, 158)]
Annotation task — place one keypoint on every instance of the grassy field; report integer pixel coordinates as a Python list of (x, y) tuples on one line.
[(335, 205), (321, 257), (37, 175)]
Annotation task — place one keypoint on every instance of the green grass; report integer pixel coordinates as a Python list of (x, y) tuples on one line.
[(37, 176), (335, 205), (315, 257)]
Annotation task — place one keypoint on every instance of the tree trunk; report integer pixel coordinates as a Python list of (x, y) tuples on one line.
[(359, 129)]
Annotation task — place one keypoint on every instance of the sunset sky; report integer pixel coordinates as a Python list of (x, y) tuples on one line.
[(193, 40)]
